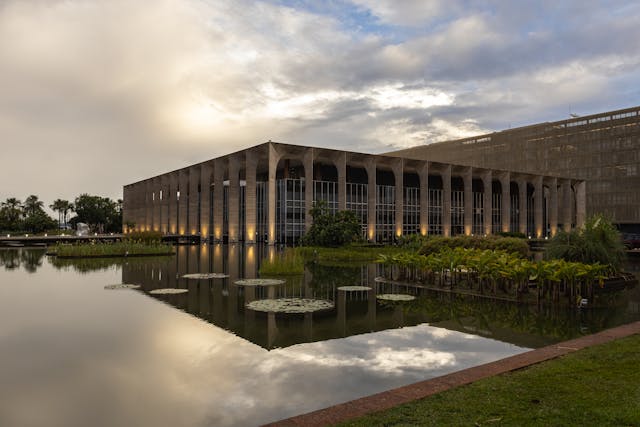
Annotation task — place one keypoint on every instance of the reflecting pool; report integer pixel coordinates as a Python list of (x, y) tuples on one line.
[(75, 354)]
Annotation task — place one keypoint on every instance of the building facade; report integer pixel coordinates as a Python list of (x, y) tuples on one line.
[(265, 193), (601, 149)]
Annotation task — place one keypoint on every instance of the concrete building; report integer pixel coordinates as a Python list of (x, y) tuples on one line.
[(264, 193), (601, 149)]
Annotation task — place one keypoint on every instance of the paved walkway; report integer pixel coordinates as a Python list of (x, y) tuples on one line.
[(388, 399)]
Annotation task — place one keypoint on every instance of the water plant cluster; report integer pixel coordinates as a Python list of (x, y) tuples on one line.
[(116, 249), (515, 245), (496, 272)]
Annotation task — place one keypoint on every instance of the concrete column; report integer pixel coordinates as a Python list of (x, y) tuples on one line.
[(487, 199), (538, 206), (423, 173), (183, 202), (147, 207), (566, 205), (157, 204), (553, 206), (581, 203), (126, 210), (274, 157), (522, 194), (173, 203), (446, 201), (505, 183), (205, 199), (398, 176), (250, 197), (194, 197), (218, 199), (234, 199), (370, 166), (340, 163), (162, 217), (307, 161), (467, 178)]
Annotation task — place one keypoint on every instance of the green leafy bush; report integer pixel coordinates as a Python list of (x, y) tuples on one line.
[(330, 229), (435, 244), (599, 241)]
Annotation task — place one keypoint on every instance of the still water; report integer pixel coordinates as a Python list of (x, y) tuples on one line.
[(73, 353)]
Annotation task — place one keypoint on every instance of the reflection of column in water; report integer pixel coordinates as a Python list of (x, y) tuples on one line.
[(250, 268), (398, 315), (342, 312), (371, 308), (192, 296), (308, 326), (183, 266), (203, 259), (204, 297), (249, 315), (173, 270), (233, 288), (272, 329), (306, 280), (218, 264), (372, 273)]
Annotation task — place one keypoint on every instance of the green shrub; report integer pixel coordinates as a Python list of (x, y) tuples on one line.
[(435, 244), (597, 242), (330, 229), (512, 234)]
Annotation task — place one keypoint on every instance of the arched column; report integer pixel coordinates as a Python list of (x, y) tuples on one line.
[(538, 204), (505, 184), (467, 178), (307, 161), (581, 203), (194, 198), (370, 166), (487, 199), (522, 196), (423, 174), (234, 199), (205, 199), (446, 201), (273, 158), (553, 206), (173, 203), (566, 205), (218, 199), (157, 204), (250, 197), (148, 205), (183, 187), (398, 176)]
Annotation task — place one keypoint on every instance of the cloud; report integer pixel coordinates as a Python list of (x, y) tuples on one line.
[(97, 93)]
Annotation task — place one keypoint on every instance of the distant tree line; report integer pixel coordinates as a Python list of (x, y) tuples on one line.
[(102, 214)]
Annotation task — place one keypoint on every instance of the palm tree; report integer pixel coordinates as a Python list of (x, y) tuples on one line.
[(62, 207), (12, 208), (32, 205)]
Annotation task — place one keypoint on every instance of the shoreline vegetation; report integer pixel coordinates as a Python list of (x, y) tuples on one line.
[(564, 391), (138, 244)]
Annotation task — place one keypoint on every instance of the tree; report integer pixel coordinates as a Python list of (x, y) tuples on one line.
[(100, 213), (330, 229), (11, 214), (62, 207), (32, 205)]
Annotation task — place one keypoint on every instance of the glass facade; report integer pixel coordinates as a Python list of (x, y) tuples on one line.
[(496, 213), (289, 210), (457, 212), (411, 217), (357, 201), (327, 191), (435, 211), (385, 212), (477, 227)]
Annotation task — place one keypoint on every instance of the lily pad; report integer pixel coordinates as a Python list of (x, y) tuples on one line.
[(354, 288), (380, 279), (197, 276), (259, 282), (395, 297), (290, 305), (122, 286), (168, 291)]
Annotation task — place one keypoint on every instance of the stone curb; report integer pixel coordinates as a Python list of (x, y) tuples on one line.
[(394, 397)]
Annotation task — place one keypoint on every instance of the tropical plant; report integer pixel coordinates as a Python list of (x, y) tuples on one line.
[(329, 229), (597, 242)]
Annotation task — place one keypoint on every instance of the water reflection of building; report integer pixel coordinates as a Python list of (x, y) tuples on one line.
[(222, 303), (265, 193)]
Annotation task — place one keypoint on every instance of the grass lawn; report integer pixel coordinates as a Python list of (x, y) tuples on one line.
[(597, 386)]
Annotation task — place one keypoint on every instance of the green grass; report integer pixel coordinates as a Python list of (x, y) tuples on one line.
[(345, 254), (287, 263), (597, 386), (125, 248)]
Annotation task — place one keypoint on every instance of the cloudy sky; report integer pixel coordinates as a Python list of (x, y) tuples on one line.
[(95, 94)]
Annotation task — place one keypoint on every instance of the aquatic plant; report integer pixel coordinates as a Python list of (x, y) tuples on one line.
[(204, 276), (168, 291), (290, 305), (122, 286)]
